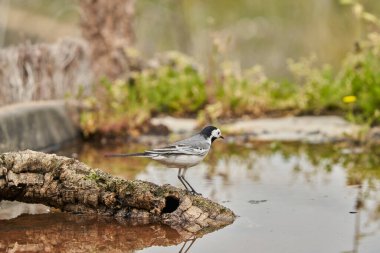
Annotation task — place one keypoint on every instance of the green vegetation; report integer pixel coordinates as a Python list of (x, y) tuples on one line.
[(178, 87), (174, 87)]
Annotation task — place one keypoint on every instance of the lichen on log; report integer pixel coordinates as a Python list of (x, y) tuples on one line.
[(71, 186)]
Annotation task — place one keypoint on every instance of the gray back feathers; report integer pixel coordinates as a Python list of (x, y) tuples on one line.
[(196, 141), (195, 145)]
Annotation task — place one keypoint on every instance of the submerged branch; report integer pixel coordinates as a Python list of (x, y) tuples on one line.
[(72, 186)]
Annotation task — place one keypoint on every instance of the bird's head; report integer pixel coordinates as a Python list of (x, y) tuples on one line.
[(211, 133)]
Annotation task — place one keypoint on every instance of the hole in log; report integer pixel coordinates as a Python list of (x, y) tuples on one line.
[(171, 204)]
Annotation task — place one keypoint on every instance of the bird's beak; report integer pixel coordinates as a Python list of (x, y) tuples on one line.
[(221, 137)]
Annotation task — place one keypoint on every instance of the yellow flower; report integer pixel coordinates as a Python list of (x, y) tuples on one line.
[(349, 99)]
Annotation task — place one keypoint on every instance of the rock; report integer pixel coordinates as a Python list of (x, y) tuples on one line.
[(36, 125)]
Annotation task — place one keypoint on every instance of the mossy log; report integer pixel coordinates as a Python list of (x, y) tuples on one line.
[(71, 186)]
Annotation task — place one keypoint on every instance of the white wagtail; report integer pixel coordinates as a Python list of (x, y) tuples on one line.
[(182, 154)]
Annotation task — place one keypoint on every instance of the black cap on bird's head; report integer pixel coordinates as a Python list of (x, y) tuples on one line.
[(212, 133)]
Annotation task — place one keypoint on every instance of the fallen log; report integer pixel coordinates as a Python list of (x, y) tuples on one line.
[(71, 186)]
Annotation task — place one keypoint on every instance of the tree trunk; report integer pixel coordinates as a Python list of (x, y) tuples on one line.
[(107, 26), (44, 71), (72, 186)]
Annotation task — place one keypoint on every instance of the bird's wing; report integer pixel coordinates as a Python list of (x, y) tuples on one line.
[(195, 145), (179, 149)]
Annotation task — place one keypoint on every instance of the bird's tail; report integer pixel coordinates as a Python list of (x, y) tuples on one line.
[(143, 154)]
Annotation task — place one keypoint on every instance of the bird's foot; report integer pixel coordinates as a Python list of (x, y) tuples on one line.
[(195, 193)]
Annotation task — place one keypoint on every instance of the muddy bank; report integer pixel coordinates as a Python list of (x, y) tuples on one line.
[(309, 129), (46, 125), (36, 125)]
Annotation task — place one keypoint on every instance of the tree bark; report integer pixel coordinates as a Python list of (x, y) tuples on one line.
[(30, 72), (107, 26), (71, 186)]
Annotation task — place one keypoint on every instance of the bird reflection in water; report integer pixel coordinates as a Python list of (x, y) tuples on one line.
[(185, 248)]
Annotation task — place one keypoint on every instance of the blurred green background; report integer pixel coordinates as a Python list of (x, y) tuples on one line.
[(250, 31)]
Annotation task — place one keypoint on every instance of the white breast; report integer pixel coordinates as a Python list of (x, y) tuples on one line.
[(179, 161)]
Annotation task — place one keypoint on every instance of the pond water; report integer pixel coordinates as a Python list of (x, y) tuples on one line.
[(289, 198)]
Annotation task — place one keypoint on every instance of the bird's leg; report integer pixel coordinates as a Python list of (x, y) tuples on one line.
[(184, 179), (180, 178)]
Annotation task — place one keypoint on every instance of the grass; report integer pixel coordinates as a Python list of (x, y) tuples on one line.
[(177, 86)]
